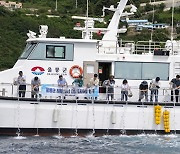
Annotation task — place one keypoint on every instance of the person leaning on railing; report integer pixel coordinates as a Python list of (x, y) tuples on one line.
[(109, 84), (62, 83), (175, 87), (143, 91), (78, 82), (35, 83), (153, 87)]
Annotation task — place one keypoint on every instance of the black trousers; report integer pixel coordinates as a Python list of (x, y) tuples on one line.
[(22, 90), (176, 91)]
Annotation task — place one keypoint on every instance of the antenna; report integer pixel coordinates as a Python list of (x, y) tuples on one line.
[(172, 21), (152, 24)]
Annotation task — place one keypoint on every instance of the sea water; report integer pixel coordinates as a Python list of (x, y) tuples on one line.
[(122, 144)]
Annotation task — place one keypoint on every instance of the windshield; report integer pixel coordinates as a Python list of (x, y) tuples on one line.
[(28, 49)]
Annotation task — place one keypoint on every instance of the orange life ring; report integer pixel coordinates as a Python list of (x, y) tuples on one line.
[(75, 71)]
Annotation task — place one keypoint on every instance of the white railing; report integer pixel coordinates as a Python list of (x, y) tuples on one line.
[(164, 95), (131, 47)]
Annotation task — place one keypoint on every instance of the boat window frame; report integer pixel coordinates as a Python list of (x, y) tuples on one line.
[(33, 45), (141, 70), (54, 57)]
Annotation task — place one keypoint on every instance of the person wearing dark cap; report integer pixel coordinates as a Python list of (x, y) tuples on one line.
[(175, 87), (78, 82), (35, 83), (153, 87), (21, 81)]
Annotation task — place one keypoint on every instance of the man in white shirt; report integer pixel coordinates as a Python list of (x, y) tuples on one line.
[(153, 87), (21, 81), (94, 81), (94, 84)]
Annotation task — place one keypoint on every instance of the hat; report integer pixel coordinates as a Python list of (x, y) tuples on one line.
[(144, 83)]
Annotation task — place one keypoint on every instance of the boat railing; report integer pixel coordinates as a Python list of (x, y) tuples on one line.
[(100, 93), (131, 47)]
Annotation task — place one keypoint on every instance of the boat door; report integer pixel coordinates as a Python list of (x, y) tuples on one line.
[(104, 71), (89, 69)]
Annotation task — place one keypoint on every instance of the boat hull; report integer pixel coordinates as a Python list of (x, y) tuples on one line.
[(76, 117)]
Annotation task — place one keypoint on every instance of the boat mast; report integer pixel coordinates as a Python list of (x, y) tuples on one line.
[(111, 34), (87, 33)]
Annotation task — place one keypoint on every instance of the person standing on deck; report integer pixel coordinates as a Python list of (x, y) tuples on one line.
[(109, 84), (78, 83), (94, 83), (21, 81), (35, 83), (143, 91), (124, 90), (62, 83), (175, 88), (153, 87)]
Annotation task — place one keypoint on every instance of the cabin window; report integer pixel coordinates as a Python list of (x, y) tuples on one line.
[(141, 70), (28, 49), (152, 70), (55, 52)]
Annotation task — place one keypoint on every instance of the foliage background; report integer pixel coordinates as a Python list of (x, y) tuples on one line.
[(15, 24)]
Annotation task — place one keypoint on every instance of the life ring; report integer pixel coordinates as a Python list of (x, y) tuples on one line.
[(75, 71)]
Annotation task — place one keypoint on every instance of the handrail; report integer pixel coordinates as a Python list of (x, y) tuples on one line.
[(164, 93)]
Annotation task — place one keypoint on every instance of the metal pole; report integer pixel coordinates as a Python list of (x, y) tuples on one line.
[(76, 4), (87, 21), (56, 6), (172, 21)]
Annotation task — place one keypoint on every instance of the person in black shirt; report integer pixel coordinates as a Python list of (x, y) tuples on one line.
[(175, 87), (143, 91)]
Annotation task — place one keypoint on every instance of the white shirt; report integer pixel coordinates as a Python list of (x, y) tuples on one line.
[(154, 83), (94, 82), (21, 80), (125, 87)]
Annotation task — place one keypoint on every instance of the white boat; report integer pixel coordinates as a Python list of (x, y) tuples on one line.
[(51, 114)]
